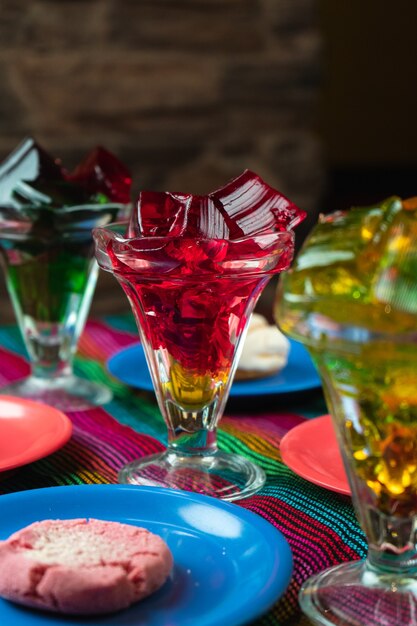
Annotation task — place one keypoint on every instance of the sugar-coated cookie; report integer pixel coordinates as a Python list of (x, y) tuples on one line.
[(82, 566)]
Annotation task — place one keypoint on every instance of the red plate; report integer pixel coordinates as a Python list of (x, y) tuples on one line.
[(311, 451), (29, 431)]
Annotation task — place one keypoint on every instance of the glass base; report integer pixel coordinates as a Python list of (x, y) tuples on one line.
[(353, 594), (220, 474), (66, 393)]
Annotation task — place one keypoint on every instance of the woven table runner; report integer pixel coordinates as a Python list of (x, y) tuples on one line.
[(319, 525)]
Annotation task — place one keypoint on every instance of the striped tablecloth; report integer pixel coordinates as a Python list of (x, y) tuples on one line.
[(319, 525)]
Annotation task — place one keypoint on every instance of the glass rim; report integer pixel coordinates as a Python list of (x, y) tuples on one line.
[(110, 230)]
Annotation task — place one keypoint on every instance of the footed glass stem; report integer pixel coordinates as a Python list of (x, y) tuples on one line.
[(197, 465), (219, 474)]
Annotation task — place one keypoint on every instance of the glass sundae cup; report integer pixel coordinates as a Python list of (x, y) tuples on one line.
[(351, 298), (193, 268), (47, 252)]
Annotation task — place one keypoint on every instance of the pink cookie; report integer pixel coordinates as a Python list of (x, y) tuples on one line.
[(82, 566)]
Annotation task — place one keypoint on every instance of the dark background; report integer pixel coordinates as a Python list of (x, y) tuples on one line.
[(368, 100), (317, 96)]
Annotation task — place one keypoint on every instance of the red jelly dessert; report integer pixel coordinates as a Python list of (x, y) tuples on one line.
[(243, 207), (193, 268)]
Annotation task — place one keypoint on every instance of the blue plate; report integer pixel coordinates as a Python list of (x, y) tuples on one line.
[(129, 366), (230, 565)]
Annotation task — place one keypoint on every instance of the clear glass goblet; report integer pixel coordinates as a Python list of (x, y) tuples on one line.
[(350, 298), (370, 383), (51, 274), (192, 300)]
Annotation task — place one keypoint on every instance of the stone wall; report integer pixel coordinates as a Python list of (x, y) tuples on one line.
[(187, 92)]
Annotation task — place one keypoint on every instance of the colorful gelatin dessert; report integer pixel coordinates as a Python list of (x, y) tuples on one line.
[(351, 297), (191, 265), (359, 270), (193, 268), (46, 221)]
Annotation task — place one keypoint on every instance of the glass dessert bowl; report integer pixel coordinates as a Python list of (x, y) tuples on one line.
[(47, 252), (193, 268), (351, 297)]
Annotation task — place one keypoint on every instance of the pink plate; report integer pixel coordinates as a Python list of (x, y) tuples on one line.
[(311, 451), (29, 431)]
